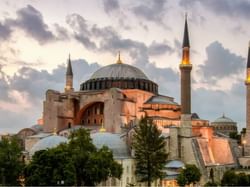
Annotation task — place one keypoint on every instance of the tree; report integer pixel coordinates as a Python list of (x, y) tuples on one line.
[(91, 165), (51, 167), (243, 180), (150, 154), (11, 164), (188, 175), (229, 178), (77, 163)]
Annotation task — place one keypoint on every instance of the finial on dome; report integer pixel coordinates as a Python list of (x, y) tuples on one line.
[(54, 131), (102, 129), (119, 58)]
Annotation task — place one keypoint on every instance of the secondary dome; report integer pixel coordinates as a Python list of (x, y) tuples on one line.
[(223, 119), (119, 71), (224, 125), (48, 142), (112, 141)]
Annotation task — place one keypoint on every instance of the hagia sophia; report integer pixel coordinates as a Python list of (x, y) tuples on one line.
[(110, 104)]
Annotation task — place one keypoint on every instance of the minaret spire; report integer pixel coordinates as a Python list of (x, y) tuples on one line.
[(186, 36), (69, 77), (69, 67), (248, 59)]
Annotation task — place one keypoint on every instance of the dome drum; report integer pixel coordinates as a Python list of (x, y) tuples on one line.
[(119, 82)]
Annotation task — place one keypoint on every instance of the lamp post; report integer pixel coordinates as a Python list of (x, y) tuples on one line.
[(243, 147)]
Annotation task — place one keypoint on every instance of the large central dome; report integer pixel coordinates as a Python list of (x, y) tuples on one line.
[(119, 71), (121, 76)]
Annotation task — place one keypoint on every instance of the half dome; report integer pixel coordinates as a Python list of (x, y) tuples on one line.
[(112, 141), (47, 143)]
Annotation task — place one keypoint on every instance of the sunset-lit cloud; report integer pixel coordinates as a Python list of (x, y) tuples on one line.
[(36, 38)]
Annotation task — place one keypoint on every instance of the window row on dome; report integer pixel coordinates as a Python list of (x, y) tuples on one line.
[(95, 84)]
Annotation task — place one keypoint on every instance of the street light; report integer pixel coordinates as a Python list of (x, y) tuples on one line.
[(243, 147)]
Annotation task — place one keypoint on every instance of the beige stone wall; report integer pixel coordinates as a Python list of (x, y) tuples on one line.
[(173, 143), (128, 175), (29, 142), (50, 110)]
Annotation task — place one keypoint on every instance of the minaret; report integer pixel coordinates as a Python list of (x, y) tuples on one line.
[(247, 82), (69, 77), (185, 146), (185, 68)]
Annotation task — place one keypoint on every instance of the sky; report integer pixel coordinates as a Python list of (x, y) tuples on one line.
[(36, 38)]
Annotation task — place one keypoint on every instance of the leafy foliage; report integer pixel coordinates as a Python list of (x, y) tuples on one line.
[(11, 164), (229, 178), (190, 174), (210, 183), (77, 163), (51, 167), (150, 154)]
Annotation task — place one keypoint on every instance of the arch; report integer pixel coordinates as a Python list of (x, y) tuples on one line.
[(91, 114)]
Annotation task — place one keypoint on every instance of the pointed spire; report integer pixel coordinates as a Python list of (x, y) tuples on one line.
[(69, 67), (119, 58), (248, 59), (186, 37)]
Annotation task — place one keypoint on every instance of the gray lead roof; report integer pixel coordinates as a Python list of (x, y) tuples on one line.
[(119, 71)]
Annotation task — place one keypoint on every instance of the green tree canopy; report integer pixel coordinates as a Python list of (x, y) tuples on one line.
[(77, 163), (11, 164), (188, 175), (51, 167), (150, 153), (229, 178)]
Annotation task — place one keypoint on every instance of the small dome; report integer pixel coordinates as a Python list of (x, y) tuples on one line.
[(47, 142), (112, 141), (175, 164), (223, 119), (119, 71), (37, 128)]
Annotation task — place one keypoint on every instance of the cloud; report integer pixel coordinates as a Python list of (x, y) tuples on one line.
[(5, 31), (151, 10), (31, 21), (220, 62), (233, 9), (22, 94), (81, 30), (231, 102), (62, 33), (159, 48), (110, 5)]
